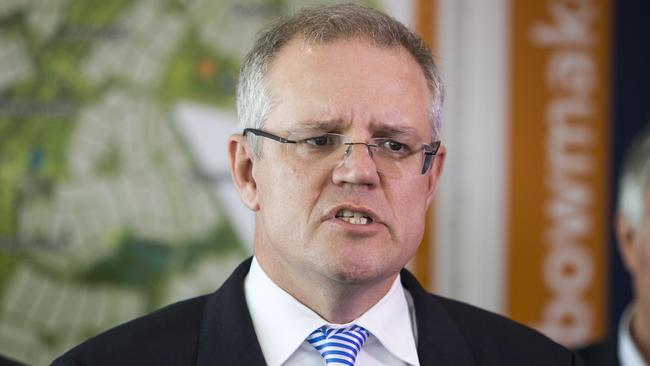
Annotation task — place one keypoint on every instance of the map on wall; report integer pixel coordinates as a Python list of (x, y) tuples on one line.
[(115, 198)]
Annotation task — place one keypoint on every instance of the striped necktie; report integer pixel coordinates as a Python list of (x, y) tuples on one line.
[(338, 346)]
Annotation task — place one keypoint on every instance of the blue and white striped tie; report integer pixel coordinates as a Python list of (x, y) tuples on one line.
[(338, 346)]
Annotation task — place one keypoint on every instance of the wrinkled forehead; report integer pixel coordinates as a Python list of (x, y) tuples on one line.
[(338, 85)]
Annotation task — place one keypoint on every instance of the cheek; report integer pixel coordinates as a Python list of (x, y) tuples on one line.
[(408, 201), (410, 195), (641, 266), (644, 253), (288, 194), (297, 188)]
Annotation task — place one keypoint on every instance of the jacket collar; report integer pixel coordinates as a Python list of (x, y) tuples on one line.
[(440, 342), (227, 335)]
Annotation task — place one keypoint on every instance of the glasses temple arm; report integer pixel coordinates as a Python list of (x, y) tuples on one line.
[(271, 136)]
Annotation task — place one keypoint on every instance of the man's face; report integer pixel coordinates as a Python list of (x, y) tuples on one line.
[(361, 91), (635, 246)]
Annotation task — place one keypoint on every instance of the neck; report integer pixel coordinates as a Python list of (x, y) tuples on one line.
[(343, 303), (335, 301), (640, 330)]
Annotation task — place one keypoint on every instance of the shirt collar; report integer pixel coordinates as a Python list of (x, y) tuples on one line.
[(396, 335), (628, 352), (282, 323)]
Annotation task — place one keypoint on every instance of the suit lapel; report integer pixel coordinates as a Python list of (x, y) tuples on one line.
[(227, 335), (228, 338), (440, 342)]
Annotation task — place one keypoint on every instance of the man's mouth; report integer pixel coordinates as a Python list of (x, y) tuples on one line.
[(354, 217)]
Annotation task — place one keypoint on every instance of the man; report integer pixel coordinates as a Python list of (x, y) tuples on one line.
[(339, 160), (630, 345), (5, 361)]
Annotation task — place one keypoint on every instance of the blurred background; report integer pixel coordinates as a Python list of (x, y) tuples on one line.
[(115, 195)]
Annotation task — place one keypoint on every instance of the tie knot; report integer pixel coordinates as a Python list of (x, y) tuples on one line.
[(339, 346)]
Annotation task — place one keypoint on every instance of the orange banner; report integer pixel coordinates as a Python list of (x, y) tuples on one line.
[(559, 119), (423, 260)]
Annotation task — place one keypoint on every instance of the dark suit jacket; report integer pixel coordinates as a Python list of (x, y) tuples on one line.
[(5, 361), (604, 353), (217, 329)]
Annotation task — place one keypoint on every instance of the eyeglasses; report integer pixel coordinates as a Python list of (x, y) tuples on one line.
[(393, 157)]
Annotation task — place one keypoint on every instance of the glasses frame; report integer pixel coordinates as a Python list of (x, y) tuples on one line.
[(426, 164)]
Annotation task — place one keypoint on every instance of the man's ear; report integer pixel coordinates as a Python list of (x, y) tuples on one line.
[(626, 236), (434, 173), (241, 170)]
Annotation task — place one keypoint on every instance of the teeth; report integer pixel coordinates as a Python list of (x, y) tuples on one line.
[(353, 217)]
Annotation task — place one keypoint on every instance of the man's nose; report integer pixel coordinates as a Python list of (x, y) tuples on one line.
[(357, 166)]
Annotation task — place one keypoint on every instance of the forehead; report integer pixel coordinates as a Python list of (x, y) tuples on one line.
[(351, 82)]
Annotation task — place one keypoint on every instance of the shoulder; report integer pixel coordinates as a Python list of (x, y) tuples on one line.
[(168, 336), (479, 324), (5, 361), (490, 336), (486, 337), (601, 353)]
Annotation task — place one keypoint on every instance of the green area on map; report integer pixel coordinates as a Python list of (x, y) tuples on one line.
[(104, 214)]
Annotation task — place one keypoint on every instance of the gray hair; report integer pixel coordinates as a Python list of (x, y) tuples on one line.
[(635, 179), (322, 25)]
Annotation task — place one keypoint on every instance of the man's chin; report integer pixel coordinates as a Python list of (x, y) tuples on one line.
[(361, 272)]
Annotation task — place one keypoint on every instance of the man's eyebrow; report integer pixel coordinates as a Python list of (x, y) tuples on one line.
[(320, 125), (338, 125), (395, 130)]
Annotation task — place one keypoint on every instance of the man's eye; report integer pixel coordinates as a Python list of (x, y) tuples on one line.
[(319, 141), (394, 146)]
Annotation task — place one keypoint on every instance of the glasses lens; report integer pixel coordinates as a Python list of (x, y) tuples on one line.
[(329, 151), (397, 158)]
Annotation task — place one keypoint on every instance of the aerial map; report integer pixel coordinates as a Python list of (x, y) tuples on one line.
[(115, 198)]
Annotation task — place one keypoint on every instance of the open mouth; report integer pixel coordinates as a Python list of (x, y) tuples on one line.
[(354, 217)]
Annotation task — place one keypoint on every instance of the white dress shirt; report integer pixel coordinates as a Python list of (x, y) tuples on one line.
[(282, 324), (628, 353)]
